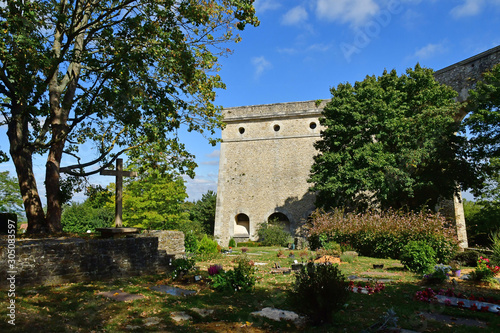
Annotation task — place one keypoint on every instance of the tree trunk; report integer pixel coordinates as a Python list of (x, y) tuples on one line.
[(22, 157), (52, 183)]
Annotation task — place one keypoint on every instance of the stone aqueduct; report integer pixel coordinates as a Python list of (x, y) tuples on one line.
[(267, 151)]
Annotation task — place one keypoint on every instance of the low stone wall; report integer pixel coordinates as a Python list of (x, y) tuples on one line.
[(56, 261)]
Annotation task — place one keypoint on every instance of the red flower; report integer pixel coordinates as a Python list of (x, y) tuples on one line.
[(473, 307), (460, 304)]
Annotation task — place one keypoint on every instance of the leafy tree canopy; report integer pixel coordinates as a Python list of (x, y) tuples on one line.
[(483, 128), (115, 74), (390, 140), (10, 199), (203, 211)]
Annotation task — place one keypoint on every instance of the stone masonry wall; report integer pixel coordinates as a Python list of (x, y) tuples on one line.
[(56, 261), (266, 155)]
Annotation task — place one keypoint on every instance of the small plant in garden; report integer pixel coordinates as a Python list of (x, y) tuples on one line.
[(215, 269), (280, 254), (232, 243), (319, 291), (181, 266), (439, 274), (418, 256), (207, 246), (241, 278), (484, 271), (348, 257), (244, 249)]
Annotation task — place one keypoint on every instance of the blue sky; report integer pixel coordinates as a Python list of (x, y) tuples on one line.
[(303, 48)]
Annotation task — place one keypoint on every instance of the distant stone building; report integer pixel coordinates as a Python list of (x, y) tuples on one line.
[(267, 152)]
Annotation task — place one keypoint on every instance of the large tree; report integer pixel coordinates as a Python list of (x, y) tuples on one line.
[(483, 128), (113, 73), (390, 141), (10, 199)]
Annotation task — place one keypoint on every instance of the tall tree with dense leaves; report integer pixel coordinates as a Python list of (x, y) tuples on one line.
[(390, 141), (10, 199), (483, 128), (203, 211), (115, 74)]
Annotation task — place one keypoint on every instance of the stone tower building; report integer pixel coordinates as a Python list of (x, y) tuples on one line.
[(265, 158), (267, 152)]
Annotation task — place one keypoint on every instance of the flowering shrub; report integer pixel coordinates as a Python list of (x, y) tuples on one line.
[(439, 275), (215, 269), (383, 234), (484, 271)]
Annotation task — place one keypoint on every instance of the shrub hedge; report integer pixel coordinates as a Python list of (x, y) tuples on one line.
[(384, 234)]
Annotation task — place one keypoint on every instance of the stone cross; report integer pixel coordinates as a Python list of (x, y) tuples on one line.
[(119, 173)]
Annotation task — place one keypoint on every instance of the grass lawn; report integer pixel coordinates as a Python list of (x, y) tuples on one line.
[(77, 307)]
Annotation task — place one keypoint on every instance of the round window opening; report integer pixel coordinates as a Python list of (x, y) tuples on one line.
[(312, 125), (276, 128), (241, 130)]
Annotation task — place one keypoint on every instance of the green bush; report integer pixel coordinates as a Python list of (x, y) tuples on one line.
[(241, 278), (382, 234), (418, 256), (80, 217), (319, 290), (207, 246), (467, 258), (190, 242), (273, 234), (232, 243), (495, 245), (181, 266)]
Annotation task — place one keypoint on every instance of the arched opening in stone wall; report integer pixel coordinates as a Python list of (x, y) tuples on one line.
[(242, 225), (281, 219)]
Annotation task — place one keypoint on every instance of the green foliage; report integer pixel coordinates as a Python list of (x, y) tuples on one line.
[(155, 201), (190, 242), (482, 218), (483, 124), (10, 199), (418, 256), (319, 291), (147, 67), (241, 278), (390, 141), (232, 242), (439, 274), (80, 217), (467, 258), (203, 212), (207, 246), (249, 244), (181, 266), (383, 234), (495, 245), (273, 234)]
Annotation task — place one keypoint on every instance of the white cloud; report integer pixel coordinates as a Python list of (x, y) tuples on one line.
[(260, 64), (265, 5), (214, 154), (295, 16), (468, 8), (355, 12), (429, 51)]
